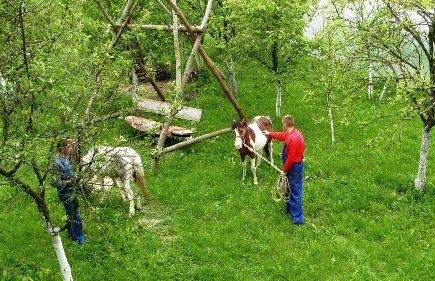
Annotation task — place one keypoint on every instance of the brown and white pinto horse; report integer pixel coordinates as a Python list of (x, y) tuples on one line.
[(249, 138)]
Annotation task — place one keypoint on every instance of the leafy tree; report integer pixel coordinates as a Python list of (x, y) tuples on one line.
[(46, 79), (271, 33), (400, 38)]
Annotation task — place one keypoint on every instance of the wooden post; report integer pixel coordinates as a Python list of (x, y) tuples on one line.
[(144, 70), (194, 140), (211, 65), (178, 88), (158, 27), (196, 44)]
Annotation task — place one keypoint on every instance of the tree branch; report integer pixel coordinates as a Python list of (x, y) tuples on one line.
[(106, 15)]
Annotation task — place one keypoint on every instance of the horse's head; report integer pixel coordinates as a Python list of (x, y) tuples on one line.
[(240, 128)]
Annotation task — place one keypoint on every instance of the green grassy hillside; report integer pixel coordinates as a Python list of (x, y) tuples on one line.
[(364, 220)]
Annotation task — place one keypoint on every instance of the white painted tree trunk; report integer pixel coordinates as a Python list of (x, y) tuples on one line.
[(331, 121), (279, 92), (422, 165), (370, 82), (384, 90), (65, 269)]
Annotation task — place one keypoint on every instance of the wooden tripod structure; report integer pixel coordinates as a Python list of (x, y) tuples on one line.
[(195, 34)]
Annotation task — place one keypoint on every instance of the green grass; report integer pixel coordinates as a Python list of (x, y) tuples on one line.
[(364, 220)]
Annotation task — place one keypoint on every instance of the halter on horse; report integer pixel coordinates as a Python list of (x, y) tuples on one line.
[(249, 138)]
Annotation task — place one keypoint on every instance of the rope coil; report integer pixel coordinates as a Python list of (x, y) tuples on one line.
[(280, 189)]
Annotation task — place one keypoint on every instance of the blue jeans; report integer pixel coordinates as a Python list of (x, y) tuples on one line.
[(70, 202), (294, 203)]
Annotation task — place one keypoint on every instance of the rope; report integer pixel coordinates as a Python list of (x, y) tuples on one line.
[(280, 189), (263, 158)]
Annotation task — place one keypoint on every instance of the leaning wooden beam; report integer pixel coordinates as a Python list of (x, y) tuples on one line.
[(165, 8), (194, 140), (148, 75), (123, 21), (105, 14), (198, 39), (211, 65), (175, 29), (196, 29), (118, 34), (125, 13)]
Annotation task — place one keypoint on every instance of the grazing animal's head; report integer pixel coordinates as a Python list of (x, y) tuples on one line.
[(240, 130)]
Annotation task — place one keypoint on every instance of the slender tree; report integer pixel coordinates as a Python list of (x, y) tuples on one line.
[(401, 39), (46, 81), (271, 33)]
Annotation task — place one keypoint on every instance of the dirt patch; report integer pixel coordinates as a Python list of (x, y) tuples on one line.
[(157, 220)]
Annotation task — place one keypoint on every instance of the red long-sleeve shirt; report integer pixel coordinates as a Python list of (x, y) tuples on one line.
[(294, 147)]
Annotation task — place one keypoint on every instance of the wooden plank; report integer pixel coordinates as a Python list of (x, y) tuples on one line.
[(154, 128), (164, 108)]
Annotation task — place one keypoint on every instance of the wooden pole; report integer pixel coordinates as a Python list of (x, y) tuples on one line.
[(198, 39), (211, 65), (178, 88), (194, 140), (158, 27), (144, 70)]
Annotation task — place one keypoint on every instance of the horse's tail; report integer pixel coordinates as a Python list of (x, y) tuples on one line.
[(139, 179)]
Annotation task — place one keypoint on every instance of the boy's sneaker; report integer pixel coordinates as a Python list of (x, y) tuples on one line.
[(81, 241)]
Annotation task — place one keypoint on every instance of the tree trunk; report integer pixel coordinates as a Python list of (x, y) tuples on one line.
[(279, 91), (370, 82), (331, 119), (384, 90), (422, 165), (61, 257), (135, 82), (231, 74)]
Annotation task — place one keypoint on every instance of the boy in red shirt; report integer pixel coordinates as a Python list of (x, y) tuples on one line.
[(293, 167)]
